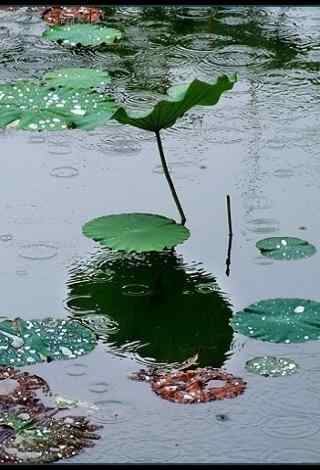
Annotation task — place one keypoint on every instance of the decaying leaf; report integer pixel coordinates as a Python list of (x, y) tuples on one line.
[(191, 386), (59, 15)]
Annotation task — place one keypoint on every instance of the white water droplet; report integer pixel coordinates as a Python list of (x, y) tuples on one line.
[(299, 309)]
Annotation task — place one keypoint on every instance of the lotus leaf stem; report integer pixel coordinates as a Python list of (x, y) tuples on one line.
[(168, 177)]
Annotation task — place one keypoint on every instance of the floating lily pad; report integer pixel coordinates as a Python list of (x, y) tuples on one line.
[(76, 78), (285, 248), (27, 342), (270, 366), (63, 15), (136, 232), (178, 101), (83, 34), (30, 106), (192, 386), (280, 320)]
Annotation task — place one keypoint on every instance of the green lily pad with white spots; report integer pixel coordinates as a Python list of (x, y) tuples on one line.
[(83, 34), (28, 342), (270, 366), (28, 105), (280, 320), (285, 248), (76, 78), (136, 232)]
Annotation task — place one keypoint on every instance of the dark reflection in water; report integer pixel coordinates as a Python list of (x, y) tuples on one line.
[(164, 309)]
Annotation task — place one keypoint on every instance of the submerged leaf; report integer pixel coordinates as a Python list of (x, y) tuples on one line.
[(270, 366), (179, 100), (76, 78), (30, 106), (84, 34), (280, 320), (136, 232), (285, 248), (43, 340)]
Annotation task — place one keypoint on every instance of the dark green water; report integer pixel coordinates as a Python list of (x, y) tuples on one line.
[(260, 144)]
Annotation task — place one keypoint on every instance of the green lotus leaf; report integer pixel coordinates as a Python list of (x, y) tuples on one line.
[(280, 320), (270, 366), (28, 342), (285, 248), (76, 78), (179, 100), (84, 34), (27, 105), (136, 232)]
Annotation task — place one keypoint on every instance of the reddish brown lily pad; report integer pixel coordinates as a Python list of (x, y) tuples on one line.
[(31, 431), (59, 15), (192, 386), (20, 388)]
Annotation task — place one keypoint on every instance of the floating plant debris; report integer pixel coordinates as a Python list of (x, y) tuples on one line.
[(83, 34), (280, 320), (44, 438), (30, 431), (28, 105), (59, 15), (270, 366), (285, 248), (136, 232), (76, 78), (191, 386), (19, 388), (27, 342)]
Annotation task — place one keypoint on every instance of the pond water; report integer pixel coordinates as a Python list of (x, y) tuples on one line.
[(260, 144)]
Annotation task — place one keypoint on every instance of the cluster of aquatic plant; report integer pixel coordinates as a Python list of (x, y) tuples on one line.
[(32, 432), (31, 341)]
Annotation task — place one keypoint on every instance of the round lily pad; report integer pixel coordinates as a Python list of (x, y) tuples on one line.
[(285, 248), (30, 106), (83, 34), (280, 320), (27, 342), (270, 366), (136, 232), (76, 78)]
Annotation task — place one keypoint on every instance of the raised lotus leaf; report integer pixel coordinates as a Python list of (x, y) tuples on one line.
[(136, 232), (179, 100), (285, 248), (83, 34), (28, 342), (280, 320), (30, 106), (76, 78), (270, 366)]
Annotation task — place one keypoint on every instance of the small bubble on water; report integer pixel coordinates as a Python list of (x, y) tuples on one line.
[(64, 172)]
